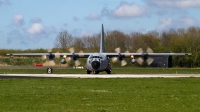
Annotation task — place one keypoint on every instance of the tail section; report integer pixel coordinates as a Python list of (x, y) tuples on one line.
[(102, 46)]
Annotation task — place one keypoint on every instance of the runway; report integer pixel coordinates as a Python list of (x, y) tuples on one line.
[(33, 67), (98, 76)]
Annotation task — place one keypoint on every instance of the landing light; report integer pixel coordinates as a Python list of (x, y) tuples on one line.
[(132, 56)]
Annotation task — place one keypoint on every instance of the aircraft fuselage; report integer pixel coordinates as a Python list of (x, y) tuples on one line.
[(98, 62)]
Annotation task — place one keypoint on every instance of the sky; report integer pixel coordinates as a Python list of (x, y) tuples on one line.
[(33, 24)]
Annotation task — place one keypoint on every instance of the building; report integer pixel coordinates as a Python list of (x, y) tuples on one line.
[(162, 62)]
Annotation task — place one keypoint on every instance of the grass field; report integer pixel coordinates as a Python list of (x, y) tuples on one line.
[(122, 70), (100, 95)]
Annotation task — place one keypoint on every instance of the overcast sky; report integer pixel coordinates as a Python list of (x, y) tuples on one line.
[(30, 24)]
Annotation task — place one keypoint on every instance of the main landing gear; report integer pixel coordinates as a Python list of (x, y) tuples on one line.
[(96, 72), (108, 71), (88, 72)]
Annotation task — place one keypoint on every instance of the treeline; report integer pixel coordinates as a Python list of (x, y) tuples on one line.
[(179, 40)]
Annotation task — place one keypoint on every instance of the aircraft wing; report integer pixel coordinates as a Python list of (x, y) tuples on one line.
[(140, 57), (85, 55), (81, 55), (27, 54), (148, 54)]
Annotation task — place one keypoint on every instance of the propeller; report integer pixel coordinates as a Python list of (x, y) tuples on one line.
[(120, 57), (75, 56), (51, 57), (144, 57), (57, 55)]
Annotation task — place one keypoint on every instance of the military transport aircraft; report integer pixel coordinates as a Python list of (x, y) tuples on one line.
[(99, 62)]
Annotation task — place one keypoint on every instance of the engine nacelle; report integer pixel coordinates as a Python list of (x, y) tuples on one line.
[(133, 61), (63, 61), (120, 57), (75, 57), (51, 56)]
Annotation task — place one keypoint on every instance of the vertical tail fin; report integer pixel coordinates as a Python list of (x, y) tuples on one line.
[(102, 46)]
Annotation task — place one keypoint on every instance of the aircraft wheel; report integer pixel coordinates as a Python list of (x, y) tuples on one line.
[(88, 72), (108, 72), (95, 72)]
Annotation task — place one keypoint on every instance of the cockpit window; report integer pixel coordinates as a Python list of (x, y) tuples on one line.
[(91, 57), (100, 57), (95, 57)]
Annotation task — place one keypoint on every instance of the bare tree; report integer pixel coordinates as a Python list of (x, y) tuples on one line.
[(64, 40), (92, 42), (78, 42), (115, 39), (136, 40)]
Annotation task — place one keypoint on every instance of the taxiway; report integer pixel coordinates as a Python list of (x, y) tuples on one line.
[(98, 76)]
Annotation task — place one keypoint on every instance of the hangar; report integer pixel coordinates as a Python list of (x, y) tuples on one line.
[(162, 62)]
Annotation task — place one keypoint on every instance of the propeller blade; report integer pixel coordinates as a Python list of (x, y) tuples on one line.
[(49, 50), (44, 57), (57, 55), (81, 54), (77, 63), (71, 50), (140, 50), (49, 63), (127, 53), (69, 58), (140, 60), (149, 60), (114, 59), (52, 63), (123, 63), (117, 50), (149, 50)]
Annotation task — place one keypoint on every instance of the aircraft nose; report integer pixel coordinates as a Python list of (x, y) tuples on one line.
[(95, 64)]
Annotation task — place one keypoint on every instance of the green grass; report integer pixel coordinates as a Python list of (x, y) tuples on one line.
[(100, 95), (123, 70)]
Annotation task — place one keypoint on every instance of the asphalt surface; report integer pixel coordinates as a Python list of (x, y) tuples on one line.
[(97, 76), (85, 75), (33, 67)]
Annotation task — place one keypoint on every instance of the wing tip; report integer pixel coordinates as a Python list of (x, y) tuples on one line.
[(188, 54), (9, 54)]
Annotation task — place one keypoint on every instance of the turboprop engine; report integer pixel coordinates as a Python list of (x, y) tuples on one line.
[(133, 61), (73, 56), (63, 61)]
